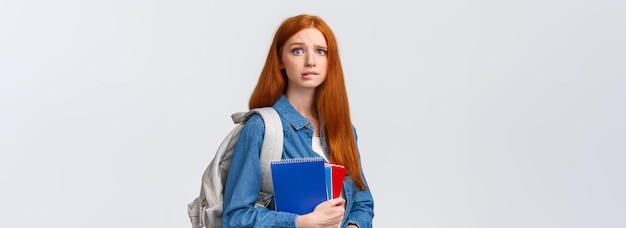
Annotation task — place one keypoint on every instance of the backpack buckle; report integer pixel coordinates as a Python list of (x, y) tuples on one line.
[(264, 199)]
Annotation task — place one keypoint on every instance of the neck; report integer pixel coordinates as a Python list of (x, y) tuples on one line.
[(303, 102)]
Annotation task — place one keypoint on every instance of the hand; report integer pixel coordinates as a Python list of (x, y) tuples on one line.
[(327, 214), (352, 226)]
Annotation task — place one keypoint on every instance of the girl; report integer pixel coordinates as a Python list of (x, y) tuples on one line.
[(303, 80)]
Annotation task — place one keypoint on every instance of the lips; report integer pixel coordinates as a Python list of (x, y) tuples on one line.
[(310, 73)]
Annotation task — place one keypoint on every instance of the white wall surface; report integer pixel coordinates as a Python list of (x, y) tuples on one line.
[(469, 113)]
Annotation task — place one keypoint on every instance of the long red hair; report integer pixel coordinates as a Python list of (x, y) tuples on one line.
[(331, 96)]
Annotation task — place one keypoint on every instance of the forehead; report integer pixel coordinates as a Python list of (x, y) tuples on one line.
[(309, 36)]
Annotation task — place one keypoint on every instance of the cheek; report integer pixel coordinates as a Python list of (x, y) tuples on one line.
[(289, 67), (288, 64), (290, 70), (324, 66), (324, 62)]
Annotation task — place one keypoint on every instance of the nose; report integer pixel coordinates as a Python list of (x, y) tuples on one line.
[(310, 60)]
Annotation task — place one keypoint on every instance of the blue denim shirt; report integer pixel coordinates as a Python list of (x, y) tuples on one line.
[(243, 181)]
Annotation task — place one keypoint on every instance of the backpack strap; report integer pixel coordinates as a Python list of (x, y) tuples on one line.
[(272, 148), (272, 145)]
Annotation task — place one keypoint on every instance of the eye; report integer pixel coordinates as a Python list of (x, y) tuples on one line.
[(321, 51), (297, 51)]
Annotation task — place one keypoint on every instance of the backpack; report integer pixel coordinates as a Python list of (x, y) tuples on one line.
[(206, 209)]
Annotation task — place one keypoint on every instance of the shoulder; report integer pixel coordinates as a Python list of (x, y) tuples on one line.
[(251, 127), (255, 122)]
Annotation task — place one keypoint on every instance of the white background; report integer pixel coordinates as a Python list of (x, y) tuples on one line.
[(469, 113)]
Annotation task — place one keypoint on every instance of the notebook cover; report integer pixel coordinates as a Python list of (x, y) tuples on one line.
[(299, 184)]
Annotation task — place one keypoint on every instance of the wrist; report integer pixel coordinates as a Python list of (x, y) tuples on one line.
[(304, 221)]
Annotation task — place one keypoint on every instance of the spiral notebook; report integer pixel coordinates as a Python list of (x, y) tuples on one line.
[(299, 184)]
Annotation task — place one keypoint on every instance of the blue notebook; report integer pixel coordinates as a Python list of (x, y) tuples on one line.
[(299, 184)]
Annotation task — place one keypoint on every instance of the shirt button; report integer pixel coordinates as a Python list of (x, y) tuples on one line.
[(306, 126)]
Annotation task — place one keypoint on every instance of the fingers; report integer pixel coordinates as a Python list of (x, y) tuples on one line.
[(329, 213), (337, 201), (332, 203)]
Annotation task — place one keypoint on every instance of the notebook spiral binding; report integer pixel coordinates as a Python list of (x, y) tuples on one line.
[(293, 160)]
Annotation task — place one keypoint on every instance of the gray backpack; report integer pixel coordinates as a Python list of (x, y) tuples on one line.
[(206, 209)]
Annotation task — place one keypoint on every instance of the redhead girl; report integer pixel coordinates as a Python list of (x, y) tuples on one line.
[(303, 80)]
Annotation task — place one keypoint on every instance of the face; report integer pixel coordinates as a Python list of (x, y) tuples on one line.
[(304, 60)]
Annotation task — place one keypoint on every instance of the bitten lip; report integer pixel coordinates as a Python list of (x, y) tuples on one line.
[(310, 73)]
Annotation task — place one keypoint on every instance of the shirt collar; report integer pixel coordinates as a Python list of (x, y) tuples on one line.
[(289, 113)]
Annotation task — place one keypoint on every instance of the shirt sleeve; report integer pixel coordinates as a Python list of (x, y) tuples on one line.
[(362, 211), (244, 183)]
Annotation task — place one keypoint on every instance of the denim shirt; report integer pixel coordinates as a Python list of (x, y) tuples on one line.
[(244, 176)]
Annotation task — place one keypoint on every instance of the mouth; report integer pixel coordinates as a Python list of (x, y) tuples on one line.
[(309, 74)]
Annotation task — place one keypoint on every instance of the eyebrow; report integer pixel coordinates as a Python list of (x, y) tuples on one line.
[(299, 43)]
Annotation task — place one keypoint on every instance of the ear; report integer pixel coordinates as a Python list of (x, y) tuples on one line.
[(281, 65)]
